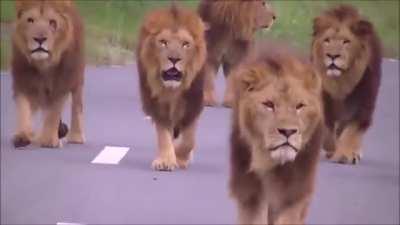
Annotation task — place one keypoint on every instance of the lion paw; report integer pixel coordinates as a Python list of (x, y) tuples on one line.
[(49, 142), (346, 158), (184, 161), (76, 138), (164, 164), (210, 100), (21, 140), (227, 104)]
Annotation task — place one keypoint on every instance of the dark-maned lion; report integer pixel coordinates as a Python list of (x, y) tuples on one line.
[(232, 25), (276, 137), (347, 54), (171, 53), (47, 65)]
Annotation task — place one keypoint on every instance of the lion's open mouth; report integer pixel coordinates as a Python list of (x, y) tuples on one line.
[(172, 74), (286, 144)]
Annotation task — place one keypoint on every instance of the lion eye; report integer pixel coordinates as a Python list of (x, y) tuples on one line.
[(186, 44), (327, 40), (30, 20), (264, 3), (164, 43), (346, 41), (53, 23), (300, 106), (270, 105)]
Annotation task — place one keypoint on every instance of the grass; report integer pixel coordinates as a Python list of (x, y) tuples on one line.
[(112, 26)]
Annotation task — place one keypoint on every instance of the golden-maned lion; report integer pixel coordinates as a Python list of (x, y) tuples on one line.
[(171, 53), (232, 25), (47, 65), (347, 54), (276, 137)]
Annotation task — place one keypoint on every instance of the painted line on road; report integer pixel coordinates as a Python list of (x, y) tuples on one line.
[(64, 223), (110, 155)]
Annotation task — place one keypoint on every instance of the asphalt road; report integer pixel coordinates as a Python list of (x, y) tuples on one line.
[(47, 186)]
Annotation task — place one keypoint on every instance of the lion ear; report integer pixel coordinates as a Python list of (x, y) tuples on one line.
[(362, 28), (20, 5), (247, 80), (319, 25), (64, 3)]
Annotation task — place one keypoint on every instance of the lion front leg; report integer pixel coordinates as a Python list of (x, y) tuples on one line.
[(24, 134), (295, 214), (349, 145), (185, 146), (76, 135), (249, 214), (210, 72), (49, 134), (166, 159)]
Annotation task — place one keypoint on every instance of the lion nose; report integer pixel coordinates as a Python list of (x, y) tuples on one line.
[(287, 132), (174, 60), (40, 40), (333, 57)]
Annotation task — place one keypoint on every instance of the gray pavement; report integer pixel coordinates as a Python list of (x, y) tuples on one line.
[(46, 186)]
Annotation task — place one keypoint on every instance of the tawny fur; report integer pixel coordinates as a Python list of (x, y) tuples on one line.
[(45, 84), (350, 97), (174, 111), (274, 90), (232, 25)]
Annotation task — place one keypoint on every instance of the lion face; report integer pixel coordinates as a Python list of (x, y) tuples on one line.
[(338, 48), (341, 43), (279, 108), (42, 31), (175, 51), (172, 48)]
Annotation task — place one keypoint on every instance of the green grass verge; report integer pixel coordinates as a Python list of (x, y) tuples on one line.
[(112, 26)]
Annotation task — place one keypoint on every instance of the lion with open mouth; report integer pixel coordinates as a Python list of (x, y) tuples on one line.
[(171, 53)]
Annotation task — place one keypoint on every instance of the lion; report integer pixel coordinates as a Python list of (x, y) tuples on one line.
[(276, 136), (170, 55), (232, 25), (47, 65), (346, 52)]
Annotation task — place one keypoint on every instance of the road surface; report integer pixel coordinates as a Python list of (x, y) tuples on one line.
[(48, 186)]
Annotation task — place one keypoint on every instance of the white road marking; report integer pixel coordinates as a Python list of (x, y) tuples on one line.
[(63, 223), (111, 155)]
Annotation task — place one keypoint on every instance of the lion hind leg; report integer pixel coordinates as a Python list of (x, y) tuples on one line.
[(49, 134), (349, 145), (76, 135)]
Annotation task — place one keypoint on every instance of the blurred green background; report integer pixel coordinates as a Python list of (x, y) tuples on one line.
[(112, 25)]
